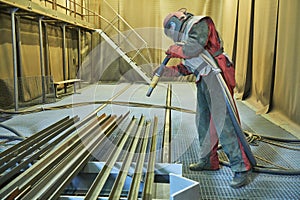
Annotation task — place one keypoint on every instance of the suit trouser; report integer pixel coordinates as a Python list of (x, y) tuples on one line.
[(214, 124)]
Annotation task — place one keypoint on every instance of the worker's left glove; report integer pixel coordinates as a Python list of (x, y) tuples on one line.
[(175, 51)]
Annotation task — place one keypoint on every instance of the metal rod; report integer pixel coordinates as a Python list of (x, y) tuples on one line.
[(166, 154), (14, 52), (137, 177), (148, 185), (42, 64)]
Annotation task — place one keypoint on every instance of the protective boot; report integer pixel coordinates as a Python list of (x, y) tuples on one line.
[(200, 166), (240, 179), (210, 163)]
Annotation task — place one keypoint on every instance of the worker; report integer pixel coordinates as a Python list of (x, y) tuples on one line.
[(192, 36)]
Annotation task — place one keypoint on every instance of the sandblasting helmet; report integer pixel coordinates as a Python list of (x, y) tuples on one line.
[(173, 23)]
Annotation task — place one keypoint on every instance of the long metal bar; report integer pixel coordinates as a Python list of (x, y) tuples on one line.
[(137, 177), (149, 180), (101, 178), (119, 183), (42, 64), (166, 154), (14, 52), (94, 113)]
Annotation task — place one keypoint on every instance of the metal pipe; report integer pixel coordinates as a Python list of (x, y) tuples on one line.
[(51, 160), (42, 64), (14, 52), (97, 137)]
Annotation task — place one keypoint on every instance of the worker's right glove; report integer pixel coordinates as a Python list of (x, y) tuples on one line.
[(169, 71), (175, 51)]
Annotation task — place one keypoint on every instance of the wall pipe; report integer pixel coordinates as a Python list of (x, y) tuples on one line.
[(15, 64)]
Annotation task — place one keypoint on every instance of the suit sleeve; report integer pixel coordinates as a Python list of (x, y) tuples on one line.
[(197, 39)]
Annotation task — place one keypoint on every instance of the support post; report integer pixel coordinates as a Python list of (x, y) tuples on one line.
[(15, 64), (42, 64), (64, 54), (79, 56), (46, 54)]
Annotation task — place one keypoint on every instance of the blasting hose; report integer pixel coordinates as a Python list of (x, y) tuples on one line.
[(157, 75)]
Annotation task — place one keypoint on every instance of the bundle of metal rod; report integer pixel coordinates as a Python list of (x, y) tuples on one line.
[(48, 176), (21, 155)]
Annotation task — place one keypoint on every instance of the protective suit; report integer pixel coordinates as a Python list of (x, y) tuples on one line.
[(193, 35)]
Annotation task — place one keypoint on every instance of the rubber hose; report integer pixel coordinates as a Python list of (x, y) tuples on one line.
[(268, 170), (240, 133), (12, 130), (10, 138)]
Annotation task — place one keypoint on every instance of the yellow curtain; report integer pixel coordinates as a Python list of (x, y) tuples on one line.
[(287, 72), (30, 61), (228, 25), (264, 33), (242, 49)]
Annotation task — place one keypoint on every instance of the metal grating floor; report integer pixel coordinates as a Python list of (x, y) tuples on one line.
[(215, 184)]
